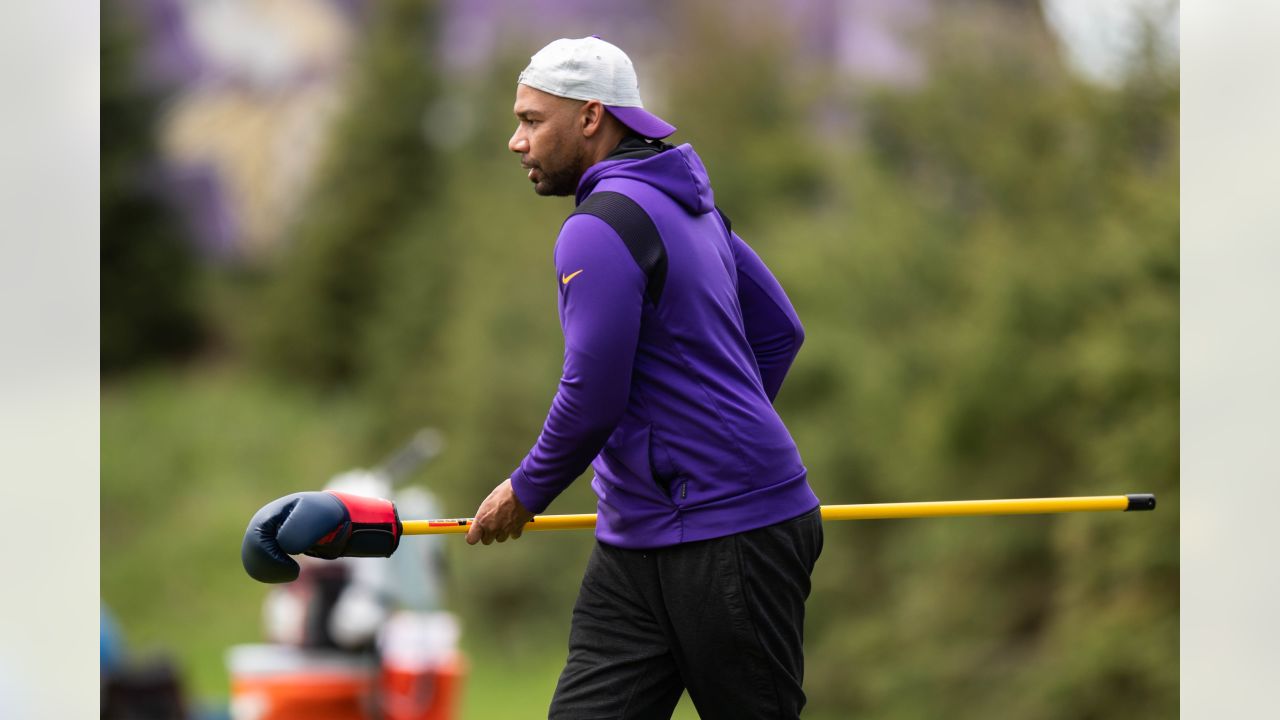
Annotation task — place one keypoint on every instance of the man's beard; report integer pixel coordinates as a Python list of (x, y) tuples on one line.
[(563, 181)]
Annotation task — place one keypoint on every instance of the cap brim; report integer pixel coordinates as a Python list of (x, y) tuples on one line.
[(643, 122)]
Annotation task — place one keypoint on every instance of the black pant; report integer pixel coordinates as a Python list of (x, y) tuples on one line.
[(723, 618)]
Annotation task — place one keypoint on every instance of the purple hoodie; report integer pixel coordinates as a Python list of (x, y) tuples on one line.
[(673, 402)]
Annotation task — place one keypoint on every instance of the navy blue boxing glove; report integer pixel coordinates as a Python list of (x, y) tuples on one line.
[(321, 524)]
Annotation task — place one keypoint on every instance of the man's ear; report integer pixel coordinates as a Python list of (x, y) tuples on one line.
[(591, 117)]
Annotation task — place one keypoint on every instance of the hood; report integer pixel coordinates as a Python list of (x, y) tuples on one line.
[(676, 171)]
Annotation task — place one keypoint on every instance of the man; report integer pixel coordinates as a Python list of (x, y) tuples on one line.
[(677, 340), (707, 529)]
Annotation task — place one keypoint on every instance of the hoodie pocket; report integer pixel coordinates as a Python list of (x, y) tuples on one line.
[(664, 471), (629, 459)]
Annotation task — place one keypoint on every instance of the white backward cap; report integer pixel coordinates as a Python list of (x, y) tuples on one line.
[(591, 69)]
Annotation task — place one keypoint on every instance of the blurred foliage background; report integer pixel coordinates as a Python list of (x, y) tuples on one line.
[(985, 257)]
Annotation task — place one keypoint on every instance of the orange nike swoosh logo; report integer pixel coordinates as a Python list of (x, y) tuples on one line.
[(564, 279)]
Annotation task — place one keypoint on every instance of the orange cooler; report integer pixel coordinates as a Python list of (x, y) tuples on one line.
[(423, 692), (280, 682)]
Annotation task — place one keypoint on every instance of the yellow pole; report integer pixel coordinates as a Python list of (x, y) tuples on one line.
[(874, 511), (460, 525)]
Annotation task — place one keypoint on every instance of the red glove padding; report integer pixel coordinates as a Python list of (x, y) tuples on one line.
[(321, 524)]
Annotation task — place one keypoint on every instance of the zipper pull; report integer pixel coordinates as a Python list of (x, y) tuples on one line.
[(684, 489)]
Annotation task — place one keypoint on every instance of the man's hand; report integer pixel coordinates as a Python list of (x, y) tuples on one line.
[(500, 516)]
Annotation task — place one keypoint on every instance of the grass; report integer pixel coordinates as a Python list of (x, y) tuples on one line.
[(520, 686)]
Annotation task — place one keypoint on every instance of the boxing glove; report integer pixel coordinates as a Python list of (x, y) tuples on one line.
[(320, 524)]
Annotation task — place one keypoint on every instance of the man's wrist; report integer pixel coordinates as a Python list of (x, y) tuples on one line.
[(527, 493)]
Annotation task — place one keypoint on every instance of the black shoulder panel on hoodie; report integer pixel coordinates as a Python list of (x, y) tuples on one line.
[(637, 231)]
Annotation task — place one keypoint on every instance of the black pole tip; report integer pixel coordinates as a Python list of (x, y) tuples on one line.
[(1141, 501)]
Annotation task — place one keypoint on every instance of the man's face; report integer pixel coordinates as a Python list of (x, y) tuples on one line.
[(549, 141)]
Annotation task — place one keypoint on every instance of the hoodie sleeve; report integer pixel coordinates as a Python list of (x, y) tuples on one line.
[(771, 323), (601, 298)]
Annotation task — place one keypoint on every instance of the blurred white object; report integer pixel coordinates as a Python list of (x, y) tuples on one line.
[(419, 641), (284, 615), (356, 617)]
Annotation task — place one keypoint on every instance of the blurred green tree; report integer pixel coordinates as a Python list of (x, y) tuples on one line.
[(149, 303), (379, 174), (993, 313)]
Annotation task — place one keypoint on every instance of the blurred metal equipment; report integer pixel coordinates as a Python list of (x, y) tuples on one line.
[(425, 445)]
